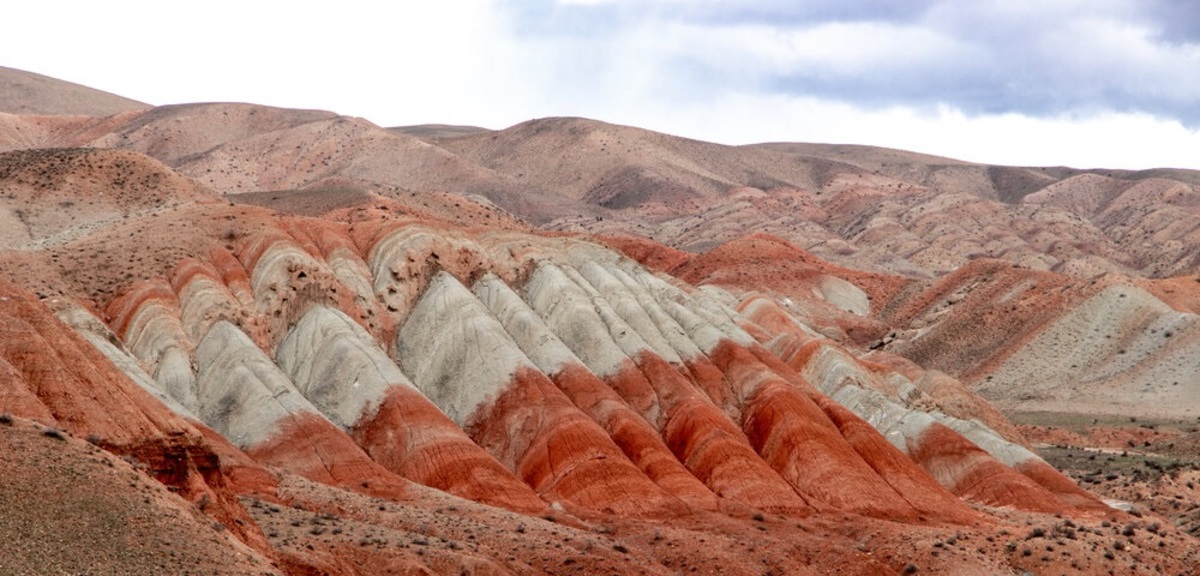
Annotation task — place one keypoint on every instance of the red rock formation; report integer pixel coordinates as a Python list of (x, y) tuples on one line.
[(971, 473), (636, 438), (900, 472), (798, 438), (310, 446), (562, 454), (662, 410), (337, 366), (513, 410), (51, 374), (1062, 487), (232, 274), (411, 437), (704, 438), (799, 349), (648, 253)]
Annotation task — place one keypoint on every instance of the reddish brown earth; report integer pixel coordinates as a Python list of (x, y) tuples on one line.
[(311, 447), (562, 454), (58, 379), (774, 265), (348, 534), (754, 408), (411, 437), (944, 453), (71, 507), (711, 446), (636, 438)]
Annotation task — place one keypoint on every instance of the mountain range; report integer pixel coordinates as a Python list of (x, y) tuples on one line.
[(243, 339)]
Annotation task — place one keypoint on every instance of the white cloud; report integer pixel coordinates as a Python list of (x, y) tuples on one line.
[(852, 48), (1109, 140)]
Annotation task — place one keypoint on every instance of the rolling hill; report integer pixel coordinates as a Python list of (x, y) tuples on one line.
[(24, 92), (318, 346)]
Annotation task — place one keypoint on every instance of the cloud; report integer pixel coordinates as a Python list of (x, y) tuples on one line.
[(1042, 59), (1076, 82), (1178, 21), (773, 11)]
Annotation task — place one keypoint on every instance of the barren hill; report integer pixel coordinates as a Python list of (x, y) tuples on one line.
[(24, 92), (1038, 341), (437, 131), (864, 207), (325, 347), (504, 375)]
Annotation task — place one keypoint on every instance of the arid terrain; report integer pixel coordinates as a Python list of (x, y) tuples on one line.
[(248, 340)]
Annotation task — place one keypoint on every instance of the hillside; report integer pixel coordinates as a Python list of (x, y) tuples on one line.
[(862, 207), (318, 346), (24, 92)]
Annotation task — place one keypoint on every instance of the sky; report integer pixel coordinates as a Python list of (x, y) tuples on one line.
[(1082, 83)]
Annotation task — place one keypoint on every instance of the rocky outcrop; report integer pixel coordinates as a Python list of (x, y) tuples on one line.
[(336, 365), (699, 434), (567, 375), (964, 456), (243, 395), (512, 409), (77, 378), (637, 439)]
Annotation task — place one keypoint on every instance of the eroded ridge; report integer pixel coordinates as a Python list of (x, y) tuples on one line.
[(527, 372)]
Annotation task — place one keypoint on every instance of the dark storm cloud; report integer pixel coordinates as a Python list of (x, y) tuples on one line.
[(1036, 58)]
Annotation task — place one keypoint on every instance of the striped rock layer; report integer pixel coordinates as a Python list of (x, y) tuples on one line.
[(528, 372)]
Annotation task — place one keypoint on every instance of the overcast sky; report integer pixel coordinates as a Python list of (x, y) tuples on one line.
[(1085, 83)]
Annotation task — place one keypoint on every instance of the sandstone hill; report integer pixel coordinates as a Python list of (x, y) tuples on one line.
[(316, 346), (254, 360)]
